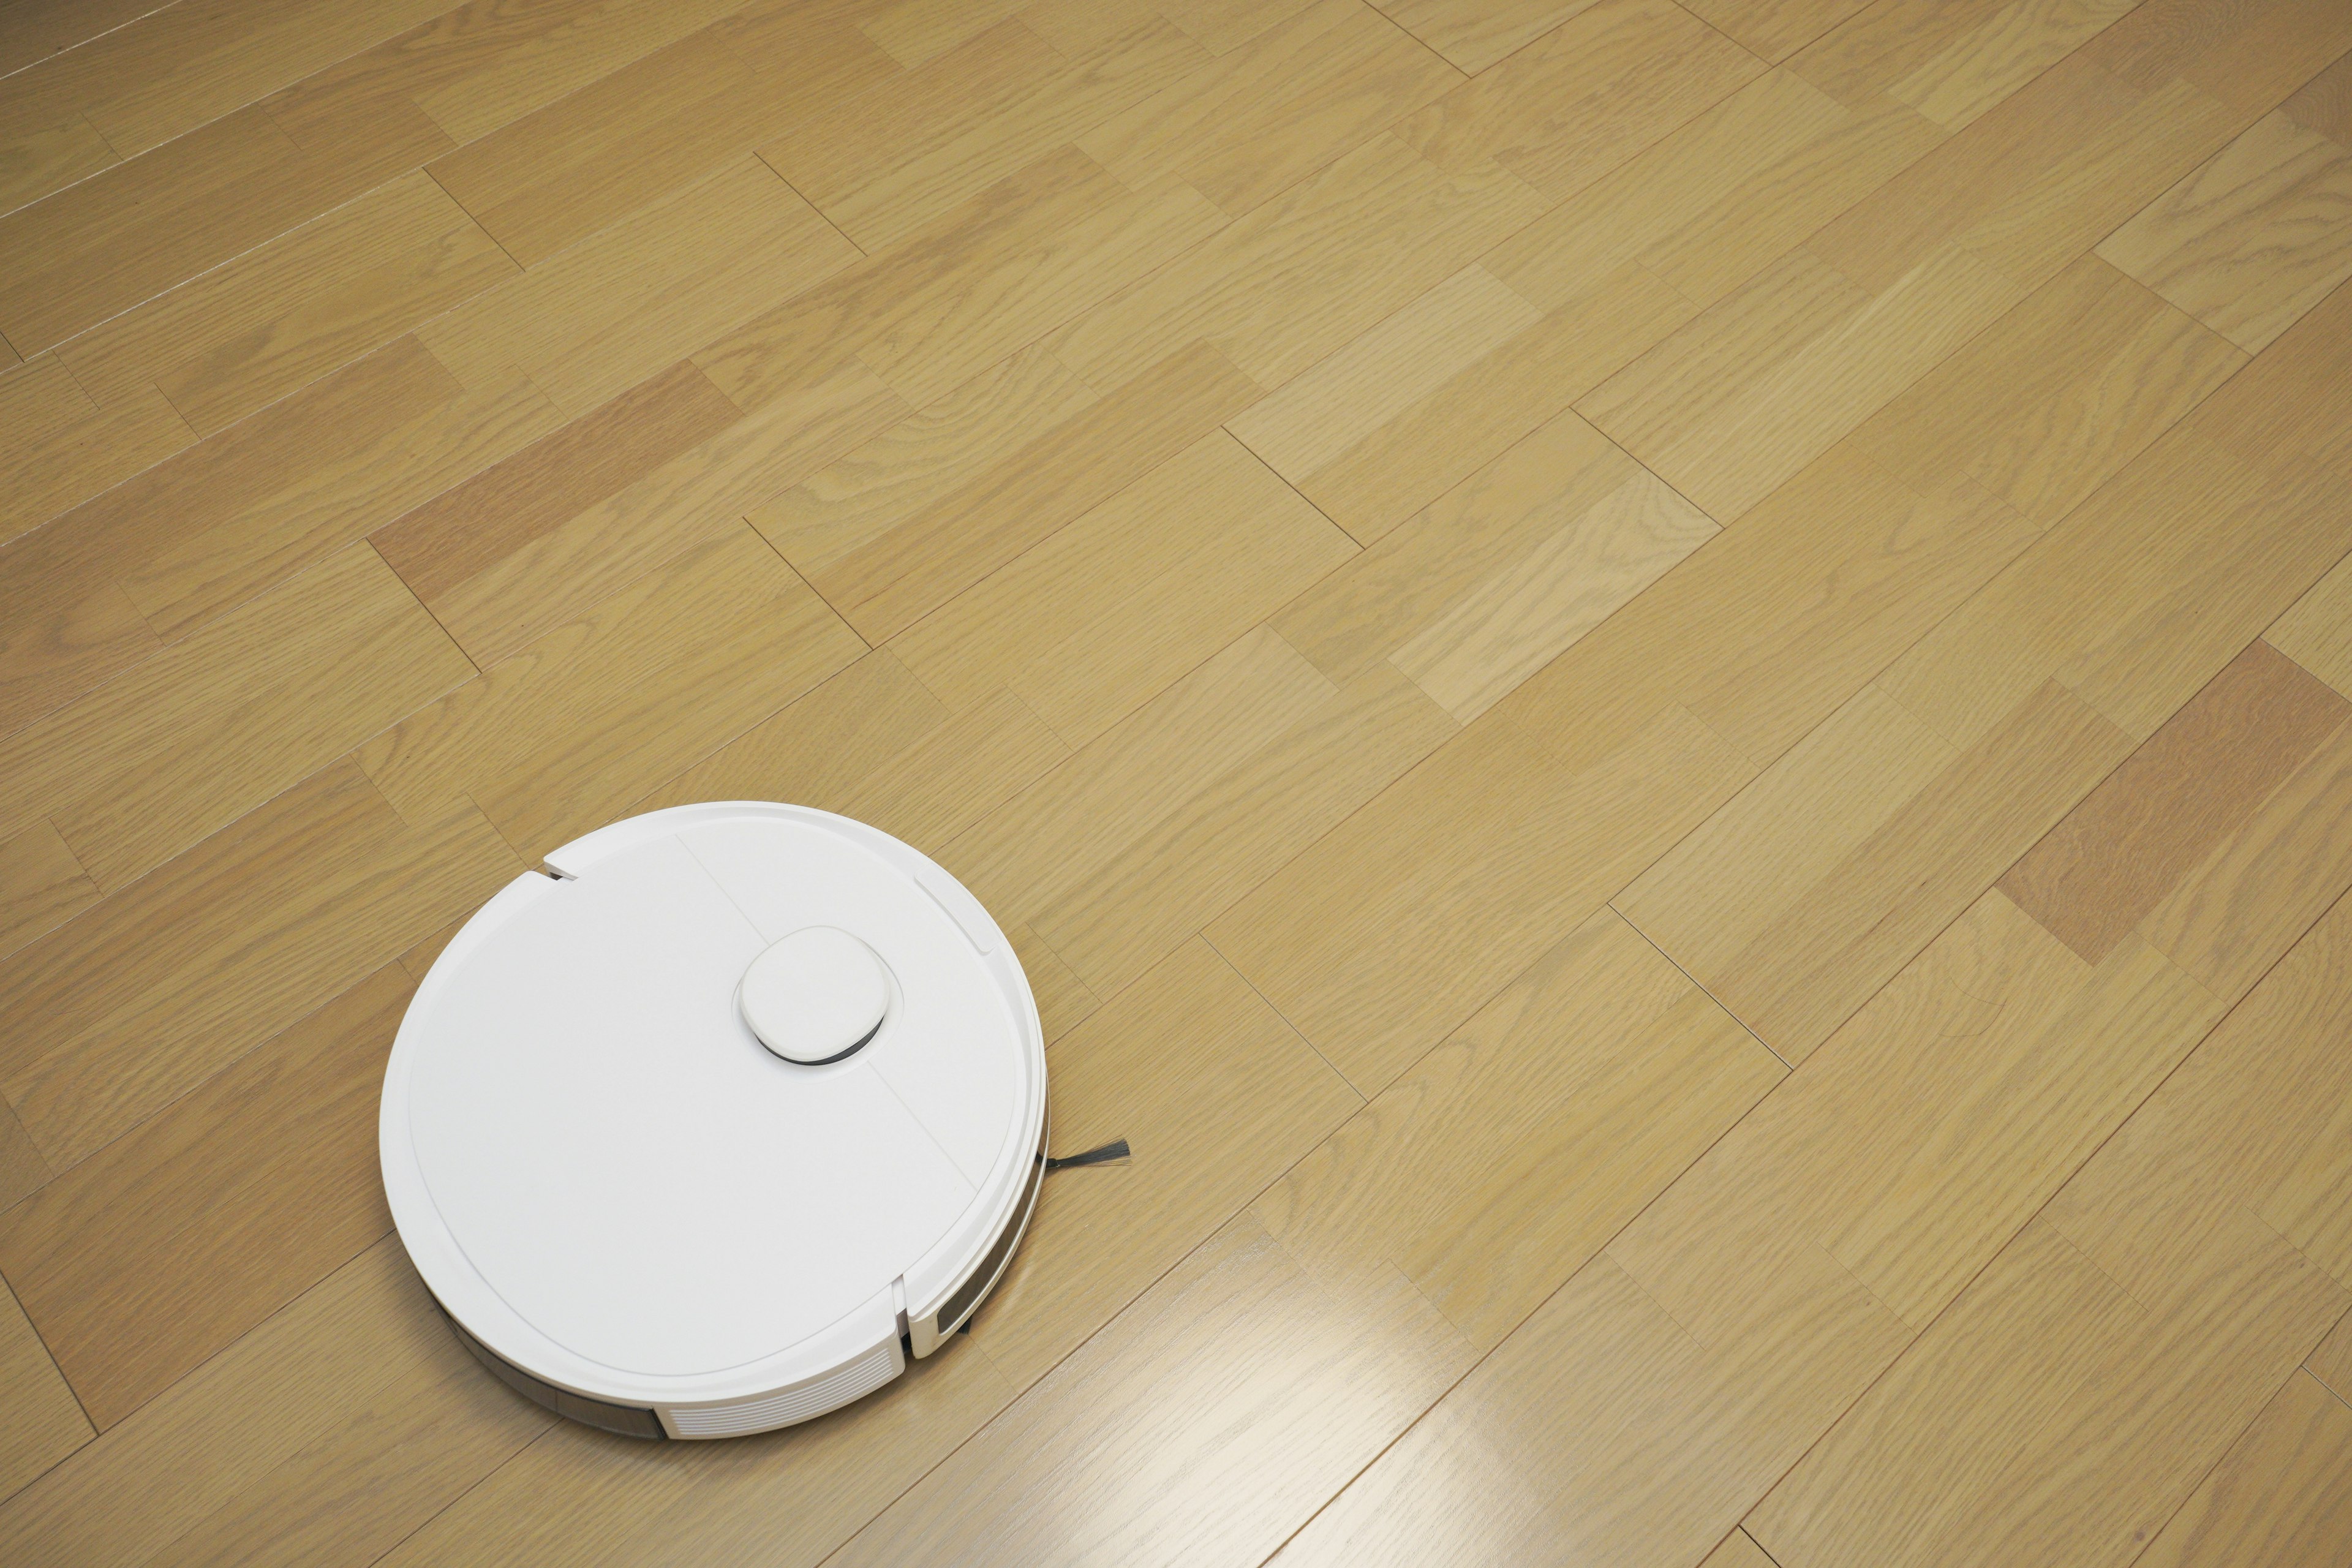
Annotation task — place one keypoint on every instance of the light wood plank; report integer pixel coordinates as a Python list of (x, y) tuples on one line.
[(2035, 182), (2233, 912), (1951, 62), (902, 153), (2130, 601), (558, 738), (326, 1434), (697, 498), (142, 1261), (2211, 767), (1119, 786), (2251, 56), (2253, 238), (219, 523), (1222, 25), (2331, 1363), (1577, 101), (1744, 396), (1799, 975), (44, 27), (48, 1424), (1394, 928), (1712, 205), (1099, 617), (158, 987), (607, 313), (1190, 1371), (1380, 473), (1306, 271), (1521, 619), (987, 278), (2316, 633), (1474, 539), (44, 159), (1768, 628), (1182, 871), (2053, 399), (2288, 407), (2279, 1497), (1475, 33), (1557, 1092), (1774, 29), (544, 63), (1198, 1074), (930, 454), (251, 704), (1324, 411), (1275, 108), (62, 449), (283, 314), (564, 171), (98, 247), (888, 582), (41, 884), (2324, 103)]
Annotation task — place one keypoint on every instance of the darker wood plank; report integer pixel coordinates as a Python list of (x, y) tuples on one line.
[(2093, 876), (163, 1246), (508, 504)]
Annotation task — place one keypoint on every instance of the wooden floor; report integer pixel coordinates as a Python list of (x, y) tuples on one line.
[(1661, 695)]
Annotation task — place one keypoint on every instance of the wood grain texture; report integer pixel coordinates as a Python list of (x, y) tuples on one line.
[(1951, 63), (1207, 1134), (328, 1434), (2112, 858), (2278, 1497), (1774, 29), (158, 987), (472, 526), (1275, 108), (1724, 195), (1099, 617), (2250, 56), (981, 282), (1394, 927), (145, 1258), (562, 172), (62, 449), (2132, 1332), (571, 46), (1475, 33), (609, 312), (41, 884), (2316, 632), (259, 326), (131, 231), (1548, 1089), (1583, 98), (1181, 1372), (2128, 602), (555, 739), (903, 153), (886, 584), (2331, 1363), (1304, 272), (2048, 402), (2288, 406), (49, 1423), (2253, 238), (205, 531), (212, 726)]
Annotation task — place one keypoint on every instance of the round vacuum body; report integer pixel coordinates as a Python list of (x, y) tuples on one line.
[(711, 1129)]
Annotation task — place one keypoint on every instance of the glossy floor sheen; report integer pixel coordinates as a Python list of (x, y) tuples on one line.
[(1661, 694)]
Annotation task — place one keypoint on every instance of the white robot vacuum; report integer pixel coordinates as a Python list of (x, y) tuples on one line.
[(714, 1127)]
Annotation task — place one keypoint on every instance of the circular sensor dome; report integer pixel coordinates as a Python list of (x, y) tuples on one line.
[(816, 997)]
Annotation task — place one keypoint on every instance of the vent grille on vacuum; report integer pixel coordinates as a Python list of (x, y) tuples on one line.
[(860, 1377)]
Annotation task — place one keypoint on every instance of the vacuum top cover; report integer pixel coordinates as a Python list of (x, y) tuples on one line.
[(739, 1081)]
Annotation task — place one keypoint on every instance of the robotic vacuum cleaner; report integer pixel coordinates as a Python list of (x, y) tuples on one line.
[(713, 1126)]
